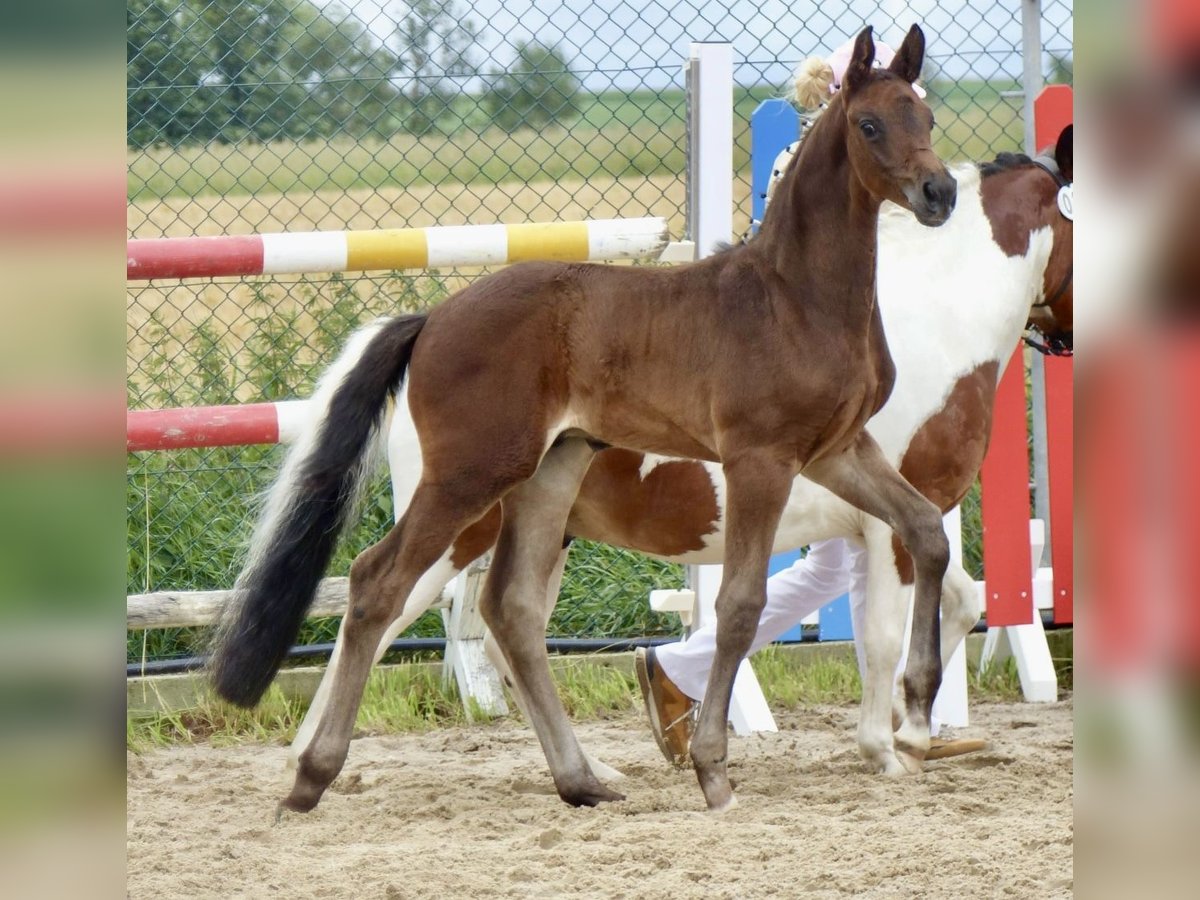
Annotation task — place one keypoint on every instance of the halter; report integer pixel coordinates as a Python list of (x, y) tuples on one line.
[(1055, 346)]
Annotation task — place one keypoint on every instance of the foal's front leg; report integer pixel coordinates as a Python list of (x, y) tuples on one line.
[(758, 484)]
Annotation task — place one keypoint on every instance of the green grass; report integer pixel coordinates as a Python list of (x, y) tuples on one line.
[(407, 698), (397, 699), (826, 678)]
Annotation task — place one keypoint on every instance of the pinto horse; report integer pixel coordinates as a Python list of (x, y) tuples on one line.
[(767, 358), (1008, 250)]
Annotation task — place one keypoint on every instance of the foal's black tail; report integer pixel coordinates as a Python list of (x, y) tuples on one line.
[(307, 507)]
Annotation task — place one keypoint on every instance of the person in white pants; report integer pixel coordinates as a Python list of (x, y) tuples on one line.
[(673, 676)]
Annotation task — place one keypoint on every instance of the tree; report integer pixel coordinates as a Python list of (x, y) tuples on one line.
[(162, 105), (540, 88), (229, 70), (431, 44)]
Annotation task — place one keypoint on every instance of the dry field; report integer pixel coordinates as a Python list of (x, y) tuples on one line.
[(182, 305)]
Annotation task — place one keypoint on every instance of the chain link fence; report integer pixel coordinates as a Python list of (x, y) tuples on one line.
[(250, 116)]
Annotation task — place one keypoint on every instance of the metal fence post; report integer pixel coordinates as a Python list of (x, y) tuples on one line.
[(710, 145)]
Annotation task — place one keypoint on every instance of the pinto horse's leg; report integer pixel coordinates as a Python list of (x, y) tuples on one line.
[(960, 609), (863, 477), (882, 641), (514, 606), (960, 612), (381, 579), (758, 484)]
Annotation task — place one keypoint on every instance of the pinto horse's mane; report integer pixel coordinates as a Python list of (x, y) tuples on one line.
[(1005, 162)]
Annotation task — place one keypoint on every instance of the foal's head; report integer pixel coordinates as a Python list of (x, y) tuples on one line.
[(889, 139)]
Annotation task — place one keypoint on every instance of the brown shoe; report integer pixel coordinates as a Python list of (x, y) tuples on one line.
[(944, 749), (669, 708)]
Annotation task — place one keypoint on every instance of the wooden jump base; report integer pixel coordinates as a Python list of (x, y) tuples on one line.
[(442, 246)]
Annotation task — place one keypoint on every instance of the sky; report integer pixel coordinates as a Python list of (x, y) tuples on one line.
[(627, 43)]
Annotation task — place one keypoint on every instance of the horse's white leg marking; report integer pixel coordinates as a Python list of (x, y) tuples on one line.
[(960, 609), (880, 643), (404, 465)]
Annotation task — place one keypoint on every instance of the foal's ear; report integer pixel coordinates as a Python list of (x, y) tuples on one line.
[(1064, 153), (861, 60), (911, 56)]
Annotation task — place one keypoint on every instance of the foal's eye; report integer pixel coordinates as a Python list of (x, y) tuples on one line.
[(869, 130)]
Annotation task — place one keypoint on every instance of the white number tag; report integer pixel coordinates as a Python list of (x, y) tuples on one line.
[(1066, 201)]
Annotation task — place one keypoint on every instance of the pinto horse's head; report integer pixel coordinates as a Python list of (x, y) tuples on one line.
[(1054, 314), (890, 130)]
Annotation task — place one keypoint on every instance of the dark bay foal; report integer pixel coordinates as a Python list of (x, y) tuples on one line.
[(767, 358)]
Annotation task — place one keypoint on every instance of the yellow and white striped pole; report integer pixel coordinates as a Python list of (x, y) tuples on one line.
[(442, 246)]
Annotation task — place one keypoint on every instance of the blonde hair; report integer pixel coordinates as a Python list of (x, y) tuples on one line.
[(813, 79)]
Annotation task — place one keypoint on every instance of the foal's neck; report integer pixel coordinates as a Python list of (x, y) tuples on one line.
[(820, 228)]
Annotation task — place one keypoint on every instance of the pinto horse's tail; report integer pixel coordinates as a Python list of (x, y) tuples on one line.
[(311, 501)]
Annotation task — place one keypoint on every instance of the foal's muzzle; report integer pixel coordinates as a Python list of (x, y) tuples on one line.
[(933, 202)]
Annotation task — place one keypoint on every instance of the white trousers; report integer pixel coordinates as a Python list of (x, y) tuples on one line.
[(830, 569)]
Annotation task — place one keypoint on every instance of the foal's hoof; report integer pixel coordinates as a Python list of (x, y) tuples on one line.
[(290, 805), (303, 798), (718, 792), (724, 805), (590, 795), (911, 757)]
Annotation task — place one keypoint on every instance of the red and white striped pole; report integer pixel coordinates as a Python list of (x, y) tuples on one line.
[(214, 426)]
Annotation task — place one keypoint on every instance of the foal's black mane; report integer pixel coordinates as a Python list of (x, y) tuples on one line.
[(1005, 162)]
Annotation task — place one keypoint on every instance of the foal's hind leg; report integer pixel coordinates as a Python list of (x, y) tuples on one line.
[(863, 477), (428, 590), (514, 607), (381, 578), (468, 545), (496, 655)]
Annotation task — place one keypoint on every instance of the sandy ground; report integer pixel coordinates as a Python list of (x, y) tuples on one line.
[(470, 812)]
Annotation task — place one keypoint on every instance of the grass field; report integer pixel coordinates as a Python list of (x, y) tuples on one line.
[(616, 135)]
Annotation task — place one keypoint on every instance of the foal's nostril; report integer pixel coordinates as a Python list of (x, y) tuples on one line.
[(930, 192)]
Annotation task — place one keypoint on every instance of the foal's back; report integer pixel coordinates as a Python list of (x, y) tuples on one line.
[(657, 359)]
